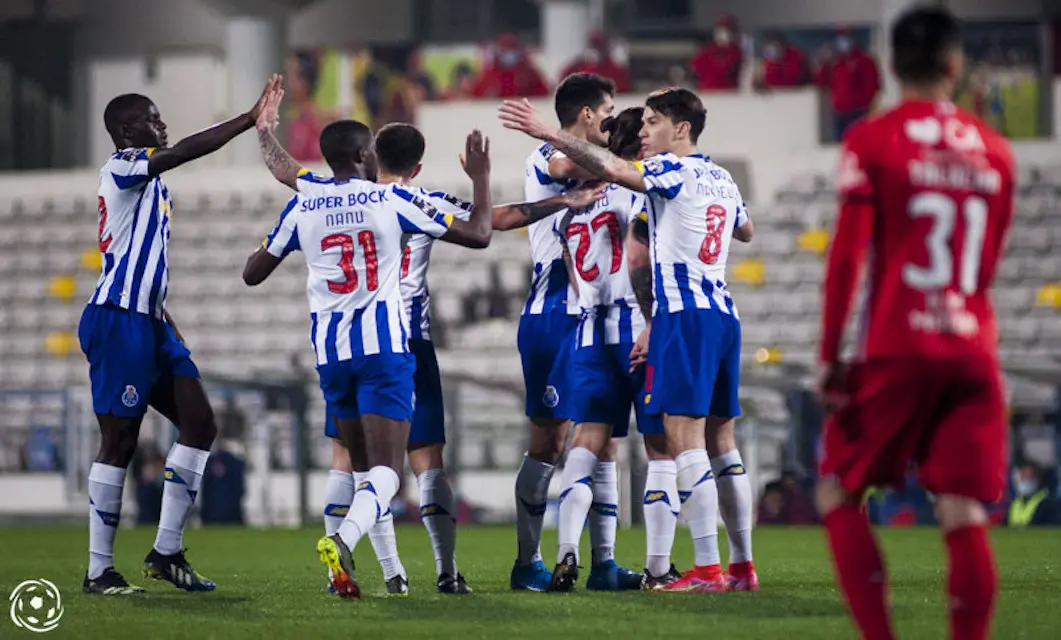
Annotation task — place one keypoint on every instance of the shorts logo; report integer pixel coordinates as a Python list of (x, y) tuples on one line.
[(551, 397), (130, 398)]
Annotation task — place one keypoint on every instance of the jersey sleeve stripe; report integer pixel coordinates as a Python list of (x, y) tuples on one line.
[(130, 181)]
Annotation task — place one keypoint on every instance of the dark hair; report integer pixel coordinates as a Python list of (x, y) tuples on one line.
[(399, 148), (680, 105), (921, 40), (624, 132), (124, 110), (580, 90), (344, 142)]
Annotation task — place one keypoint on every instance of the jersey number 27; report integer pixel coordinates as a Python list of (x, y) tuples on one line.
[(939, 273), (346, 261), (584, 233)]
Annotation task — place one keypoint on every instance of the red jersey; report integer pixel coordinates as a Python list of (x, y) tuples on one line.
[(929, 190), (608, 68), (789, 70)]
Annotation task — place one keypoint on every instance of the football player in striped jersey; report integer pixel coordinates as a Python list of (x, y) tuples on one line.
[(136, 356)]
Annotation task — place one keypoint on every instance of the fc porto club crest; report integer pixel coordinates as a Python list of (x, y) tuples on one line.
[(551, 397), (130, 398)]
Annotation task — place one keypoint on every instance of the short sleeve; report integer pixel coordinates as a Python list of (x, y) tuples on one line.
[(283, 239), (450, 204), (742, 215), (662, 175), (129, 167), (417, 215), (309, 183), (853, 182)]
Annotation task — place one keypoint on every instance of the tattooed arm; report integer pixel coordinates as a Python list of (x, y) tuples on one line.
[(639, 264), (280, 163), (602, 163), (521, 214)]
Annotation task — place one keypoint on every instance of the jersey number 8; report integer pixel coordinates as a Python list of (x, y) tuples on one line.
[(711, 247), (346, 261)]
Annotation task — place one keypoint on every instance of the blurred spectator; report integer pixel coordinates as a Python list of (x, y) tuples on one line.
[(462, 83), (510, 73), (148, 467), (1033, 505), (420, 81), (718, 63), (782, 65), (304, 126), (798, 506), (224, 479), (598, 59), (851, 77), (772, 505)]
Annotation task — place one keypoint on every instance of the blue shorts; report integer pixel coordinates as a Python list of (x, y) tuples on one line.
[(694, 364), (545, 344), (603, 389), (429, 418), (128, 354), (380, 384)]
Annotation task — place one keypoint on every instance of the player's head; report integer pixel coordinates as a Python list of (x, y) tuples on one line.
[(927, 48), (674, 118), (585, 99), (624, 133), (399, 150), (132, 120), (347, 148)]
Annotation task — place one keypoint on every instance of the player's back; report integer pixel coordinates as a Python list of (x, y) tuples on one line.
[(693, 207), (550, 288), (351, 234), (596, 241), (415, 259), (941, 185), (134, 210)]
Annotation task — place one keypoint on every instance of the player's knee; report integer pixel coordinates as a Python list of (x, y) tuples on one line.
[(656, 447), (341, 457), (117, 447), (829, 495), (595, 438), (720, 435), (200, 431), (955, 512), (547, 441)]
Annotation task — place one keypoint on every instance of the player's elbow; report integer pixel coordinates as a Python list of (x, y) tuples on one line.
[(745, 232), (480, 240), (252, 277)]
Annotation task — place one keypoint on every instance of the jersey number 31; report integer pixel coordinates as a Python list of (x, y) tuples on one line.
[(346, 261), (939, 273)]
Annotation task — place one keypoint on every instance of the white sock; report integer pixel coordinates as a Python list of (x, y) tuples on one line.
[(576, 496), (338, 494), (735, 504), (661, 507), (532, 490), (438, 513), (604, 513), (184, 473), (371, 499), (696, 486), (105, 484), (382, 536)]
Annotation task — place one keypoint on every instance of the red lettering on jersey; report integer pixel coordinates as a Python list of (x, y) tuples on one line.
[(346, 262), (711, 247), (368, 245), (104, 243), (584, 232), (609, 220), (407, 253)]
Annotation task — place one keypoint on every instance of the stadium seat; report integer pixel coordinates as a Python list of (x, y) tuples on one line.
[(814, 240)]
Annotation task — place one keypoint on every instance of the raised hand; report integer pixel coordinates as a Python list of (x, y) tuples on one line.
[(521, 116), (476, 157), (274, 84), (269, 116), (585, 195)]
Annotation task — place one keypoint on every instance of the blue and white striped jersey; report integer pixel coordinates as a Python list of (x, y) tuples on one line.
[(550, 289), (351, 234), (693, 207), (134, 212), (596, 239), (415, 259)]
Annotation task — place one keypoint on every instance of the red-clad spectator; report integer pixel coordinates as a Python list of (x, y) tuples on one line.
[(783, 64), (510, 74), (851, 76), (598, 59), (718, 63)]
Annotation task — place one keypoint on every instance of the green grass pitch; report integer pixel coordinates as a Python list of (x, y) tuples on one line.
[(271, 585)]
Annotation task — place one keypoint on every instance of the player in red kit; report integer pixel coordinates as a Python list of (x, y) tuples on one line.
[(928, 190)]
